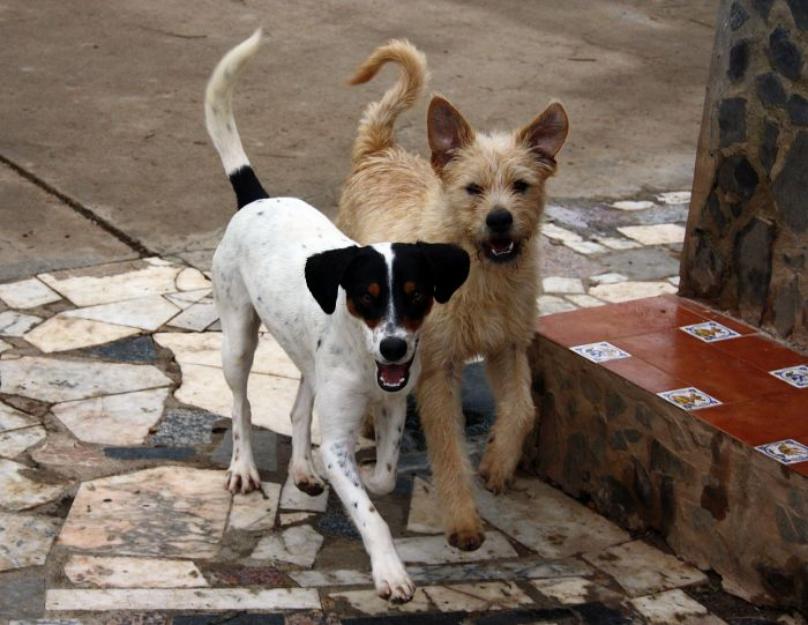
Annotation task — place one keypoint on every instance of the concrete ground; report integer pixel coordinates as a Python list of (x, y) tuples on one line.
[(103, 106)]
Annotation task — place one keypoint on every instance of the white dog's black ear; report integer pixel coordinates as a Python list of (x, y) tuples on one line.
[(450, 268), (324, 272)]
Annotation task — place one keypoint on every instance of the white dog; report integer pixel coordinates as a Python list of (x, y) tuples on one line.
[(348, 316)]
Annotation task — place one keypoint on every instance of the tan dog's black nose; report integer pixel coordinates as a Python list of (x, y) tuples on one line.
[(499, 220)]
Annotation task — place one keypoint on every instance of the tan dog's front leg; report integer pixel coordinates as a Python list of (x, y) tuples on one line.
[(509, 374), (442, 419)]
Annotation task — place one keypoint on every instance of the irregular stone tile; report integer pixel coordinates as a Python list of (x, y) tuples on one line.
[(166, 511), (183, 300), (113, 419), (608, 278), (292, 498), (643, 570), (19, 492), (54, 621), (146, 313), (585, 301), (25, 539), (191, 279), (574, 590), (149, 453), (655, 234), (238, 575), (297, 545), (368, 602), (16, 324), (114, 282), (337, 577), (59, 380), (550, 304), (4, 346), (559, 284), (585, 247), (60, 333), (632, 205), (137, 349), (197, 316), (27, 294), (435, 549), (94, 600), (13, 419), (618, 243), (674, 280), (672, 606), (256, 510), (184, 427), (69, 457), (264, 446), (625, 291), (480, 597), (547, 521), (101, 572), (22, 594), (524, 568), (13, 443), (290, 518), (674, 197), (557, 233), (424, 515), (206, 349)]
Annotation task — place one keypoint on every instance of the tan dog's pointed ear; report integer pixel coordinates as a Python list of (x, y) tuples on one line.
[(546, 134), (447, 131)]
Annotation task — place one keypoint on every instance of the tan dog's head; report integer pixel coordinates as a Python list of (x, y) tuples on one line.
[(494, 183)]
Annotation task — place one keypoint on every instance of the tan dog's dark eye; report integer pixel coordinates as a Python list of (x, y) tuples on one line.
[(474, 189), (520, 186)]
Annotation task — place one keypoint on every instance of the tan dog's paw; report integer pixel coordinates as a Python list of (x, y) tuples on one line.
[(466, 538), (497, 472)]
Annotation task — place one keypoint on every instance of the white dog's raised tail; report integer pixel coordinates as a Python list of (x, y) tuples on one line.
[(221, 123)]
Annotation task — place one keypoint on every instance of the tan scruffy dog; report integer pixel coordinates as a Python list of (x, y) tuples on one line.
[(484, 192)]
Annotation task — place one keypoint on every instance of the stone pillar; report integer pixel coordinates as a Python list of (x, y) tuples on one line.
[(746, 248)]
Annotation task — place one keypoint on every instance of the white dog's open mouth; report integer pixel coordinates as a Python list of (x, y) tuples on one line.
[(393, 377)]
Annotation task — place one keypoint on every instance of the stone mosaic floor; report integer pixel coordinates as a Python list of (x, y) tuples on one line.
[(114, 439)]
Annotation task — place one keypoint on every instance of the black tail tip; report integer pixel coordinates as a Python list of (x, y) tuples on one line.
[(246, 185)]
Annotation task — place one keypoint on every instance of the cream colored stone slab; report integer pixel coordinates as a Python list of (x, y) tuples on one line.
[(13, 419), (16, 324), (547, 521), (478, 597), (424, 514), (625, 291), (206, 349), (435, 549), (290, 518), (585, 301), (114, 282), (559, 284), (292, 498), (656, 234), (61, 333), (296, 545), (256, 510), (674, 280), (13, 443), (62, 379), (674, 197), (146, 313), (338, 577), (632, 205), (191, 279), (608, 278), (585, 247), (550, 304), (574, 590), (171, 511), (669, 607), (97, 600), (123, 572), (557, 233), (27, 294), (643, 570), (19, 492), (25, 540), (618, 243), (113, 419), (184, 299), (368, 602), (197, 316), (4, 346)]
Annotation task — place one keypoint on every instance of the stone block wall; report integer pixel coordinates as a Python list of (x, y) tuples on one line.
[(746, 248)]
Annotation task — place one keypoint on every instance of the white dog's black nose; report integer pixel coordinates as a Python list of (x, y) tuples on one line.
[(393, 348), (499, 220)]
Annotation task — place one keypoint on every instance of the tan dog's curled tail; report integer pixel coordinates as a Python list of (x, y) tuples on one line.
[(376, 127)]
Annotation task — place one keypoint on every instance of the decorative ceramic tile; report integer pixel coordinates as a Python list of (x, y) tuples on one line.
[(27, 294), (585, 247), (255, 510), (689, 398), (290, 518), (557, 233), (197, 316), (424, 517), (674, 197), (673, 606), (368, 602), (16, 324), (632, 205), (547, 521), (600, 352), (787, 451), (340, 577), (618, 243), (58, 380), (795, 376), (585, 301), (146, 313), (13, 443), (574, 590), (13, 419), (608, 278), (97, 600), (550, 304), (479, 597), (167, 511), (656, 234), (113, 419), (190, 279), (185, 299), (296, 545), (61, 333), (19, 492), (25, 539), (435, 549), (292, 498), (642, 569), (710, 331), (559, 284), (101, 572), (625, 291)]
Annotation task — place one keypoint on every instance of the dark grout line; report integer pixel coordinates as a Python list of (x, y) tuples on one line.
[(85, 212)]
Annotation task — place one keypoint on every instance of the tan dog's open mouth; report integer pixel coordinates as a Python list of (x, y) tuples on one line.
[(501, 249), (393, 378)]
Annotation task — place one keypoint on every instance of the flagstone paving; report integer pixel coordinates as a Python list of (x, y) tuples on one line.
[(112, 501)]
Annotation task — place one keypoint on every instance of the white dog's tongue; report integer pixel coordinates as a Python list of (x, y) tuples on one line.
[(392, 374)]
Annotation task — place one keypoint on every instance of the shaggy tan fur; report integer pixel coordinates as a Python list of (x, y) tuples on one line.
[(394, 195)]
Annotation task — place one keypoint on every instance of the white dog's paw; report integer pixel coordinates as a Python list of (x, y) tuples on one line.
[(378, 485), (242, 477), (391, 580), (307, 480)]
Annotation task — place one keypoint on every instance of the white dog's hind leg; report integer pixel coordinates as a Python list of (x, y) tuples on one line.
[(301, 467), (389, 418)]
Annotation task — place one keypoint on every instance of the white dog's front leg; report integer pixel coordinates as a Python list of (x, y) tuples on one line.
[(389, 419)]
